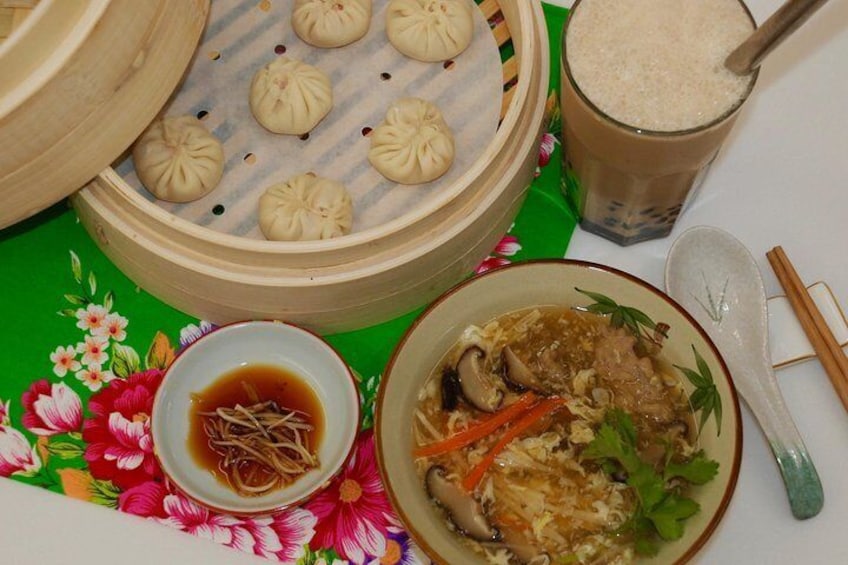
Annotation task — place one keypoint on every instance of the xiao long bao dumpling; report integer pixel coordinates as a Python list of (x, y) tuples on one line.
[(430, 30), (413, 145), (306, 207), (331, 23), (178, 159), (290, 97)]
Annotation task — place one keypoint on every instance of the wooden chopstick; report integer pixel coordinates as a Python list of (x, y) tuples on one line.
[(827, 349)]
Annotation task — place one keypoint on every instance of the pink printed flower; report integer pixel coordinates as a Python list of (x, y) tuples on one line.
[(146, 500), (120, 448), (281, 537), (64, 360), (93, 377), (183, 514), (490, 263), (354, 513), (293, 528), (113, 326), (91, 317), (52, 409), (17, 456), (134, 441), (508, 246), (546, 149), (93, 349)]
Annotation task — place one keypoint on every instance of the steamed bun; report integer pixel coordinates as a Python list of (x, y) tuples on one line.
[(306, 207), (413, 144), (430, 30), (331, 23), (290, 97), (178, 159)]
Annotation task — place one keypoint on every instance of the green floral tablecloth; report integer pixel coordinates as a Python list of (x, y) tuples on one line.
[(84, 350)]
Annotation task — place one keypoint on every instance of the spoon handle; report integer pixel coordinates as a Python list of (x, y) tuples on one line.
[(800, 477), (780, 25)]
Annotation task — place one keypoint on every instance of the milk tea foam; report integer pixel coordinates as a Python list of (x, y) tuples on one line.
[(658, 64)]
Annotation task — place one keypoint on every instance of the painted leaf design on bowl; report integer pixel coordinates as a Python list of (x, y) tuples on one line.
[(639, 323), (705, 398)]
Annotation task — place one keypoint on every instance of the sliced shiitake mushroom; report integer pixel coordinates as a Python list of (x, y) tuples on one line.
[(517, 374), (464, 511), (450, 389), (478, 387), (523, 549)]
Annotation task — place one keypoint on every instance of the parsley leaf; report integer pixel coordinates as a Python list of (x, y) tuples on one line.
[(668, 515), (616, 439), (698, 470), (650, 487), (661, 510)]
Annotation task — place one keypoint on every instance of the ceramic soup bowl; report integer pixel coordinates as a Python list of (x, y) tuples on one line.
[(686, 350)]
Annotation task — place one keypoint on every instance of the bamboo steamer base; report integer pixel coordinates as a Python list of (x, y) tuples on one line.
[(364, 285)]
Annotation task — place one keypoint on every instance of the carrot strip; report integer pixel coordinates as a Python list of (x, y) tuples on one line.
[(538, 412), (478, 430)]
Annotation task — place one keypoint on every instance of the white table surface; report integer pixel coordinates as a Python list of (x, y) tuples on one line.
[(782, 179)]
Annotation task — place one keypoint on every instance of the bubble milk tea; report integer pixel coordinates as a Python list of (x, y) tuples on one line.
[(646, 104)]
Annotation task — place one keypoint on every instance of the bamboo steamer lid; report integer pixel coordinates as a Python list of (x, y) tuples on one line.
[(81, 80)]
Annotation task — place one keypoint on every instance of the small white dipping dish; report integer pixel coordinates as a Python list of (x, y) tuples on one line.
[(215, 354)]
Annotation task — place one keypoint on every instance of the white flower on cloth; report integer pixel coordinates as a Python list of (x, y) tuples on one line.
[(93, 349), (94, 376), (91, 317), (192, 333), (113, 326), (134, 441), (65, 360), (17, 456), (51, 409)]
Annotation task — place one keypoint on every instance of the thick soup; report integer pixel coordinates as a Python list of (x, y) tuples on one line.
[(550, 436)]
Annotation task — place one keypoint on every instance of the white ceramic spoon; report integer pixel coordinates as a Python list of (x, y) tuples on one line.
[(716, 279)]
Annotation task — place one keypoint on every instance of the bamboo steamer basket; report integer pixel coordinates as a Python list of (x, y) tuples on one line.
[(357, 280), (80, 80)]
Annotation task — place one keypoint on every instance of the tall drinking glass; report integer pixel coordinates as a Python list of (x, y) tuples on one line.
[(626, 178)]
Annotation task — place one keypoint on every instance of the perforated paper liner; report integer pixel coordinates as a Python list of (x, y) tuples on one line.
[(367, 76)]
